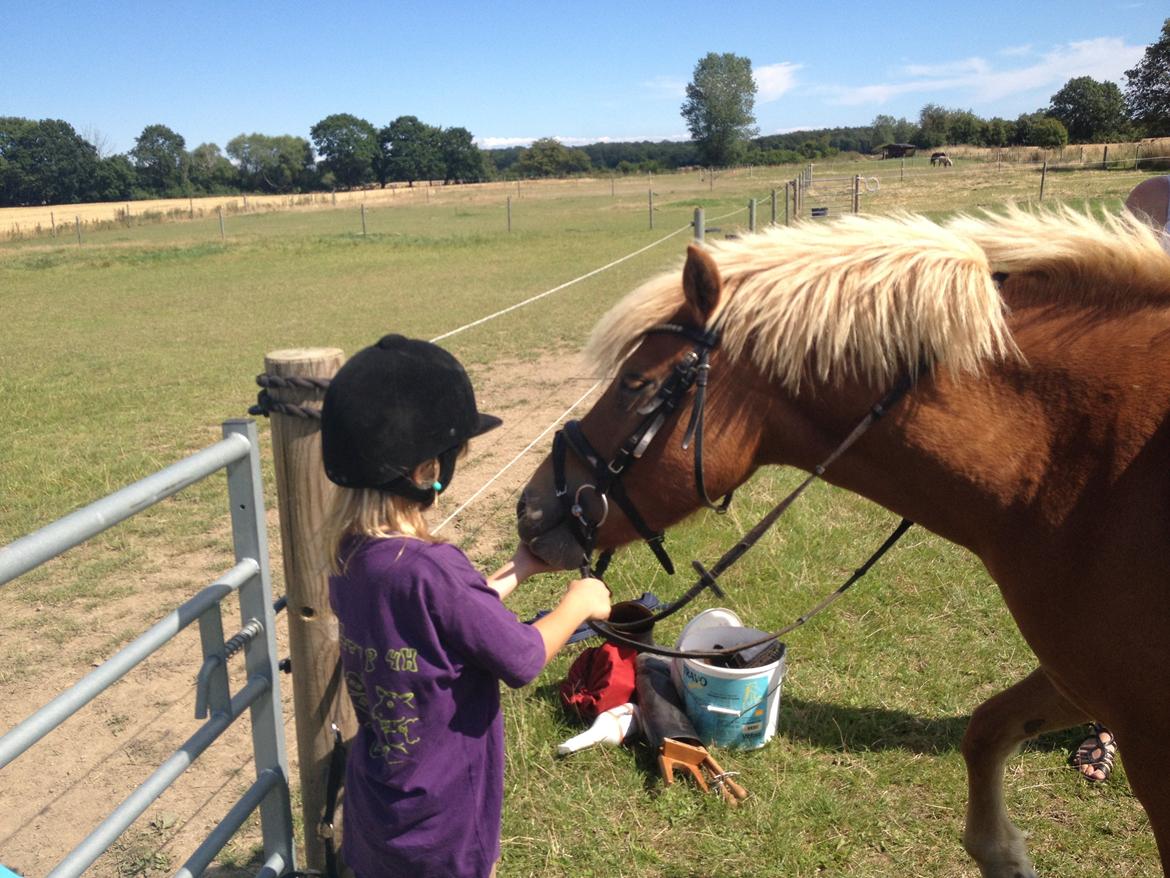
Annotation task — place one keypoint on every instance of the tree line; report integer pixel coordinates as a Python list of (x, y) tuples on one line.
[(720, 101), (47, 162)]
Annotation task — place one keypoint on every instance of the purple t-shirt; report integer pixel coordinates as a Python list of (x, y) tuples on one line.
[(424, 644)]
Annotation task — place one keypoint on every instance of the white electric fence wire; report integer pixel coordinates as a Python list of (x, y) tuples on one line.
[(724, 216), (556, 289), (509, 464)]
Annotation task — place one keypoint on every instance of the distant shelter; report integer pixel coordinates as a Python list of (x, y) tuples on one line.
[(898, 150)]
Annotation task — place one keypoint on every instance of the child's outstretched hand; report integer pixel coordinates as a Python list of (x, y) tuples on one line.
[(526, 564), (518, 568)]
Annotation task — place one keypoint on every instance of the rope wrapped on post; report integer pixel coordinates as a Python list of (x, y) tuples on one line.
[(266, 405)]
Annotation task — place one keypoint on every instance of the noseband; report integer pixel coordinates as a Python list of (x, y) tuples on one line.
[(690, 371)]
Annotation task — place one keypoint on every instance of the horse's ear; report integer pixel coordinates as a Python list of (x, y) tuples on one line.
[(701, 282)]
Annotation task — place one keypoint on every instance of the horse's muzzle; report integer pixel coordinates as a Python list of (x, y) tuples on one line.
[(543, 528)]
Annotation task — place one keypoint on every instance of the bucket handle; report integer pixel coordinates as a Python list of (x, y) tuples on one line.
[(748, 710)]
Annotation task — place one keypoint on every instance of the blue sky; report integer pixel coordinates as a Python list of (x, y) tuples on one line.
[(513, 71)]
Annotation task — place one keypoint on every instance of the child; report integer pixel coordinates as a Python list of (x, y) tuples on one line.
[(425, 639)]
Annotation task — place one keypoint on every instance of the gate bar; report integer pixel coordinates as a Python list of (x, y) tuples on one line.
[(232, 821), (107, 832), (35, 727), (22, 555)]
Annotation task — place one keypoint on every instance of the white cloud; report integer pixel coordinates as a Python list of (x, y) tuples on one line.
[(1104, 58), (963, 67), (978, 81), (773, 80), (502, 142), (665, 87)]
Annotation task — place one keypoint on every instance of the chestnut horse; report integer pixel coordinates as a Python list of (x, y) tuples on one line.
[(1036, 434)]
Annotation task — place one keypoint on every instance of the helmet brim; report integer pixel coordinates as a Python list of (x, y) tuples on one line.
[(485, 423)]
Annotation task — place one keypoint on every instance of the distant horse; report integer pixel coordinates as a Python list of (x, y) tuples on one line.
[(945, 161), (1036, 433), (941, 158)]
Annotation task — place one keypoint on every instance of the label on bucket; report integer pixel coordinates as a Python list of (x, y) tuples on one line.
[(729, 712)]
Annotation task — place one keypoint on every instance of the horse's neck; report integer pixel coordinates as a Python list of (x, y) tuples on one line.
[(1022, 442)]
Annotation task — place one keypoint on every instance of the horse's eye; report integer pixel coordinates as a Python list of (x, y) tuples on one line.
[(635, 389), (634, 383)]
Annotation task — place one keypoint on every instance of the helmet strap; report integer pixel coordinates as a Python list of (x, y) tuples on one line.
[(406, 487)]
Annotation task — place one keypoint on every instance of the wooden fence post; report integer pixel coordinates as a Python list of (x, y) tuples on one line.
[(751, 215), (700, 225), (651, 199), (773, 207), (1043, 177), (303, 492), (77, 223), (857, 193), (509, 213), (363, 219), (222, 233)]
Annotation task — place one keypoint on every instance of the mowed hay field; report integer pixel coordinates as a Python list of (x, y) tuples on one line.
[(120, 355)]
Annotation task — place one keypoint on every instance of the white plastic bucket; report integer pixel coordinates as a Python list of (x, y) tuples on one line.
[(730, 707)]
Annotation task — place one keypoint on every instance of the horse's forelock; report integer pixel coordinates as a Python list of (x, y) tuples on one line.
[(620, 329)]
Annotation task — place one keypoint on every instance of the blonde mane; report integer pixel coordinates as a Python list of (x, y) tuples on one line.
[(869, 296)]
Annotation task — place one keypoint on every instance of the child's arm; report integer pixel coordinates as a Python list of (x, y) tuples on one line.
[(522, 565), (585, 599)]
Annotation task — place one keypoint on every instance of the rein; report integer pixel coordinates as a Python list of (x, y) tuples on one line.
[(616, 631)]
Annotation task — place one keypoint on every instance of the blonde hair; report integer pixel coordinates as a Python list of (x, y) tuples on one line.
[(371, 514)]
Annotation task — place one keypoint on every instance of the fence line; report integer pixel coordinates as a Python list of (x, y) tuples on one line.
[(509, 464), (558, 288)]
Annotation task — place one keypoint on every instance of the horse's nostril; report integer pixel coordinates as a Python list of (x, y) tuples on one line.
[(521, 506)]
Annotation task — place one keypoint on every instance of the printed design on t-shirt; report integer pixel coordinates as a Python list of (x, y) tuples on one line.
[(393, 716), (402, 659), (357, 694), (367, 654)]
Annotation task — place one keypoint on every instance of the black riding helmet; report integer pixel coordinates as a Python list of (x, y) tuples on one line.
[(393, 406)]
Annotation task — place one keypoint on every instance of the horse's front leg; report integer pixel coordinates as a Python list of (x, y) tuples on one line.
[(997, 729)]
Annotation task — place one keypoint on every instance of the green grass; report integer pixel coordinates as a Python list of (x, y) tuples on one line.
[(121, 355)]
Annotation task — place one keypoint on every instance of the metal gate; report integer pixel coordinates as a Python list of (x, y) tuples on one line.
[(238, 454)]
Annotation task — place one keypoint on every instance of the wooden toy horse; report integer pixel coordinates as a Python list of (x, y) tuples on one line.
[(1035, 432)]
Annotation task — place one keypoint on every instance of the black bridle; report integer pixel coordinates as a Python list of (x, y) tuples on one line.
[(690, 371)]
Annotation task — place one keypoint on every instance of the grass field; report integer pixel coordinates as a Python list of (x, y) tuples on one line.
[(120, 355)]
